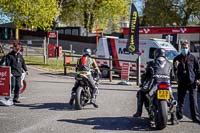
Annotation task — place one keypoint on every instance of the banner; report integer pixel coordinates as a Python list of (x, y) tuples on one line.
[(165, 30), (133, 34), (5, 81)]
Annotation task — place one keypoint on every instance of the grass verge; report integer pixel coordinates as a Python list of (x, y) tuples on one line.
[(52, 65)]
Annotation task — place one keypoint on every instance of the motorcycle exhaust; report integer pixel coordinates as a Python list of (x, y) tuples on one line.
[(174, 103), (172, 107)]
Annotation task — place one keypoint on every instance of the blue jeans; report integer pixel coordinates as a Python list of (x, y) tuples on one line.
[(16, 85)]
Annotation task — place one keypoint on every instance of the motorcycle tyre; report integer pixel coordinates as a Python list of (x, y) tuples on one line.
[(23, 88), (161, 115), (78, 103)]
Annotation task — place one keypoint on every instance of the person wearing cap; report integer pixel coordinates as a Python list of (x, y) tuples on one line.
[(187, 69), (16, 61)]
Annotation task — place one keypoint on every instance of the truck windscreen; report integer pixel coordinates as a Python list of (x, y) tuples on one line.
[(171, 54)]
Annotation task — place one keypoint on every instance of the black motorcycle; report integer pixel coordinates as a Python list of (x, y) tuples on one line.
[(161, 104), (84, 92)]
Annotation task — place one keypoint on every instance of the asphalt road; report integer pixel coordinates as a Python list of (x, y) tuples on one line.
[(44, 109)]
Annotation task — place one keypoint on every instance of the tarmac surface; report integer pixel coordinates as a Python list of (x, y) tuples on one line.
[(44, 108)]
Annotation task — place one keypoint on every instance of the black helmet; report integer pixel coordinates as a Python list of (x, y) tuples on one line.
[(159, 53), (87, 51)]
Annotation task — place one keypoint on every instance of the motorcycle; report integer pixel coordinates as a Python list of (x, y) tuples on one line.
[(83, 92), (161, 104)]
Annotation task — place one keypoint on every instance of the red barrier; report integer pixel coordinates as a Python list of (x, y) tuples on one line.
[(125, 71), (5, 81)]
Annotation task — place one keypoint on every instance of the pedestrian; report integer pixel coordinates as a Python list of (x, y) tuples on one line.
[(186, 66), (15, 60)]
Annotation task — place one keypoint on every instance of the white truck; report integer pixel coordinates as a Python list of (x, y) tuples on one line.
[(116, 48)]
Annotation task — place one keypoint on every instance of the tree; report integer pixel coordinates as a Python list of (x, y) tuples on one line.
[(187, 9), (157, 13), (37, 13), (182, 12), (92, 13)]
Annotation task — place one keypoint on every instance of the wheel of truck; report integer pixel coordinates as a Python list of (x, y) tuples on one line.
[(105, 72)]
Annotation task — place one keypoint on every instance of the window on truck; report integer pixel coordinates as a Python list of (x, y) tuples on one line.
[(171, 54)]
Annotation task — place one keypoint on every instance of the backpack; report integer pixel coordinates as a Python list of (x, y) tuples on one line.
[(84, 64)]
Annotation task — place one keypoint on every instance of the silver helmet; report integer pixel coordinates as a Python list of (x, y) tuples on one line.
[(87, 51)]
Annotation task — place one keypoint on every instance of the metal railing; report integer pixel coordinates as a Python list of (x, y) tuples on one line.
[(111, 68)]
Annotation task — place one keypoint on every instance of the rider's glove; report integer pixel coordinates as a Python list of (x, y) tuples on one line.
[(198, 82)]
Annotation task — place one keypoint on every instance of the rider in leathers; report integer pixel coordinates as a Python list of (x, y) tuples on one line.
[(156, 71), (86, 63)]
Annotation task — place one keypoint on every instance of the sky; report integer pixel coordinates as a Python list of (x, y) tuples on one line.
[(138, 5)]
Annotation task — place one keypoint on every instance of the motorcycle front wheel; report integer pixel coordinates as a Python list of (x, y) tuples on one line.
[(80, 99), (161, 115)]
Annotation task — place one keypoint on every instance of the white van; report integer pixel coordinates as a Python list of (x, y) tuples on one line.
[(116, 48)]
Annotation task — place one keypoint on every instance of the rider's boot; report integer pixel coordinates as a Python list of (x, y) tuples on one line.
[(172, 110), (139, 105), (174, 119), (71, 101), (94, 95), (93, 102)]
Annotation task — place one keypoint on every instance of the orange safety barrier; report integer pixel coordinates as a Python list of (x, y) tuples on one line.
[(67, 59)]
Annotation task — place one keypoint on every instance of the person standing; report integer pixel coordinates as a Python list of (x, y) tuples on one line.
[(186, 66), (16, 61)]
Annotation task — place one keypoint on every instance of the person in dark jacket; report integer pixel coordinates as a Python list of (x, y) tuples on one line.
[(16, 61), (186, 66)]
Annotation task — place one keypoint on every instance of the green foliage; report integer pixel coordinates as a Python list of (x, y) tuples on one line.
[(37, 13), (157, 13), (188, 10), (182, 12), (94, 13)]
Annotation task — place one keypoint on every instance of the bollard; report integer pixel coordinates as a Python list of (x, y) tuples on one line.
[(71, 51), (110, 70), (44, 51), (65, 68), (138, 69)]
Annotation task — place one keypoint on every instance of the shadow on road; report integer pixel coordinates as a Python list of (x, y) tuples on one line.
[(53, 82), (58, 74), (114, 123), (108, 89), (49, 106)]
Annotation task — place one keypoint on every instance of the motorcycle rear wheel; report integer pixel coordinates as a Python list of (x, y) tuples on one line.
[(79, 99), (161, 115)]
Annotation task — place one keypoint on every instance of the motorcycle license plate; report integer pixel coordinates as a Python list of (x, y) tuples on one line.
[(163, 94)]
